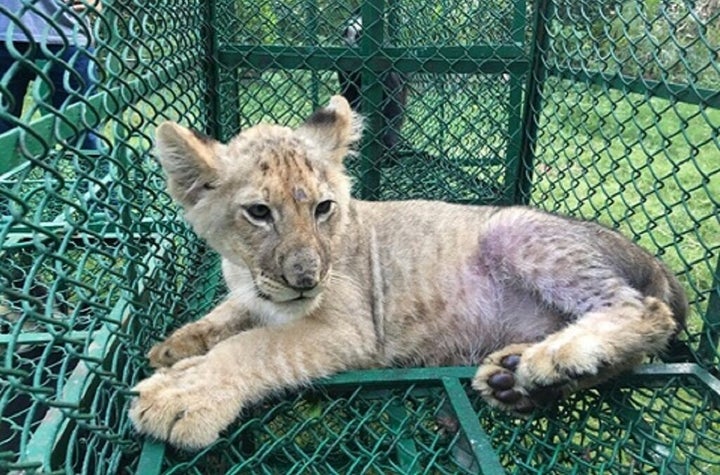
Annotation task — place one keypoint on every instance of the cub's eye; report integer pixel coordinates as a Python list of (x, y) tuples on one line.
[(323, 208), (259, 212)]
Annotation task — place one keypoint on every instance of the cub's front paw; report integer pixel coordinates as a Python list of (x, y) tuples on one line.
[(187, 405), (183, 343)]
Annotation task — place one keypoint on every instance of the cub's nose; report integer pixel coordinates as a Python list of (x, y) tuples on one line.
[(301, 270), (304, 284)]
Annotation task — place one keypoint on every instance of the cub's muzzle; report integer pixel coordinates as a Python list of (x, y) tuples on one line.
[(301, 269)]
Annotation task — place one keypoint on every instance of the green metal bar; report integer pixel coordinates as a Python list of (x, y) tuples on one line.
[(7, 176), (475, 59), (371, 91), (213, 100), (152, 452), (151, 458), (533, 102), (710, 334), (383, 377), (43, 133), (431, 376), (662, 370), (513, 172), (467, 418), (515, 131), (680, 92), (109, 231), (31, 338), (708, 379), (223, 82), (311, 38)]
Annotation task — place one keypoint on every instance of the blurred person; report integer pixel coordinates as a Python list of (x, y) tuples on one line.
[(57, 31)]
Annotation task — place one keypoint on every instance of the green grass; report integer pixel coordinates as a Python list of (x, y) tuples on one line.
[(646, 166), (649, 167)]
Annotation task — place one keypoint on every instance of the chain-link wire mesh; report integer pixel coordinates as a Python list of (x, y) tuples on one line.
[(414, 424), (626, 119), (94, 262), (603, 110)]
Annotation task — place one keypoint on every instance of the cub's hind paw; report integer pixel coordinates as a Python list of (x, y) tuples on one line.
[(564, 359), (499, 384)]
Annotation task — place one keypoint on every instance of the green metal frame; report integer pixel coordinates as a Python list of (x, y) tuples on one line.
[(147, 243), (451, 380), (373, 58)]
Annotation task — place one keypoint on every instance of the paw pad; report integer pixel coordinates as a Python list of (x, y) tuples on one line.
[(501, 380), (498, 382), (510, 362), (502, 388), (502, 384)]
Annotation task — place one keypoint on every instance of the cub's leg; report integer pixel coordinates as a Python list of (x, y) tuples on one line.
[(197, 338), (191, 402), (597, 347), (613, 302)]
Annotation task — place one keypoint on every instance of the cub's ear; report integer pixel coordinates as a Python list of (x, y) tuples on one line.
[(334, 128), (189, 160)]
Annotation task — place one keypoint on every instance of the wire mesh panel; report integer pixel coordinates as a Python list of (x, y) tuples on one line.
[(627, 111), (92, 258), (671, 428), (449, 105), (604, 110), (391, 431), (413, 421)]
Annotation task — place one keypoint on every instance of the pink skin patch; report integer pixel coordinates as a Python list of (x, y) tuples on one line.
[(299, 194)]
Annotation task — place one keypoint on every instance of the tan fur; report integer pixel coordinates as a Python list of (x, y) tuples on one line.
[(321, 283)]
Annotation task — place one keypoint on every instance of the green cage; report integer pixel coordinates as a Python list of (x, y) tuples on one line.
[(606, 110)]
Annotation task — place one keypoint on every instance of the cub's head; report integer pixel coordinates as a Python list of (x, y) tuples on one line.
[(274, 200)]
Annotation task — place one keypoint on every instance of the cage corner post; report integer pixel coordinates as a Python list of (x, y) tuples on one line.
[(710, 337), (373, 18), (533, 102), (517, 74), (222, 97)]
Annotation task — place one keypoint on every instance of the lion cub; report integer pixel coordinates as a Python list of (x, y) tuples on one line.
[(321, 283)]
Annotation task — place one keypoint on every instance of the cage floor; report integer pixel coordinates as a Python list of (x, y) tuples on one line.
[(662, 419)]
